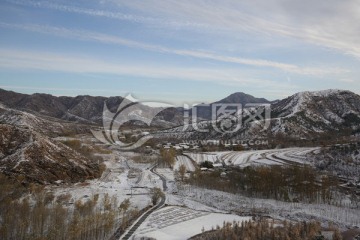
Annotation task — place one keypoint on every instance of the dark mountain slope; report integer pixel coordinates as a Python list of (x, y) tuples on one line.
[(204, 112), (26, 153)]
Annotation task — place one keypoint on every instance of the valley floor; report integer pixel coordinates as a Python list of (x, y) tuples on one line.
[(191, 210)]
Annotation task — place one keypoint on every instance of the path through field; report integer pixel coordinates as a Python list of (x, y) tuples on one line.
[(143, 217)]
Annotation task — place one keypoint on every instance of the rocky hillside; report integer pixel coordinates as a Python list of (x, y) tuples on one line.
[(341, 159), (32, 157), (51, 127), (301, 115), (81, 109), (89, 109), (86, 109), (321, 111)]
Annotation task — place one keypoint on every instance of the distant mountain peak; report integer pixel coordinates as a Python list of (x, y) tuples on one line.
[(243, 98)]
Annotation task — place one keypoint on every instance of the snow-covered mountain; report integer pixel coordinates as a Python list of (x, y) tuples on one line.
[(46, 125), (85, 109), (320, 111), (80, 109), (26, 149), (301, 115)]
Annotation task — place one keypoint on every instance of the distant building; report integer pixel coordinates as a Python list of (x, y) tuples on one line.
[(144, 133), (177, 147), (122, 137), (217, 165)]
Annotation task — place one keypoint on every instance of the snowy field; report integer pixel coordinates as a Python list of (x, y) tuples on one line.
[(343, 216), (287, 156), (178, 223), (181, 201), (122, 178), (167, 173), (189, 209)]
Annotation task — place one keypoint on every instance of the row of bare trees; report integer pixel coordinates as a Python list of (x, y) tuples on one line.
[(264, 230), (35, 214), (292, 183)]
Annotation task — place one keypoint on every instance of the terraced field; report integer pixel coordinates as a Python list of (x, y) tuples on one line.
[(287, 156), (177, 223), (206, 156)]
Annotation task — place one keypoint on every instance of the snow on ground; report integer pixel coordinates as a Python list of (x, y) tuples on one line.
[(324, 213), (291, 156), (202, 157), (120, 179), (186, 161), (191, 209), (287, 156), (167, 173), (147, 178), (177, 223), (182, 201), (120, 188), (236, 158), (264, 162)]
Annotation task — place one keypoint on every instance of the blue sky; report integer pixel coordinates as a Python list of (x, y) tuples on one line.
[(187, 51)]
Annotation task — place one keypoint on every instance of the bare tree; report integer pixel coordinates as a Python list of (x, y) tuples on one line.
[(124, 206), (182, 171), (168, 156), (156, 194)]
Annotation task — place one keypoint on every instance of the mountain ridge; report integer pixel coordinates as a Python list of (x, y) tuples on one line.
[(301, 115), (84, 109), (325, 108)]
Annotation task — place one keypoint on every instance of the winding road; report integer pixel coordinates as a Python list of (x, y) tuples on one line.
[(143, 217)]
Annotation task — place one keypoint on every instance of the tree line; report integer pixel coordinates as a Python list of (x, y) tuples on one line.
[(265, 230), (285, 183), (31, 213)]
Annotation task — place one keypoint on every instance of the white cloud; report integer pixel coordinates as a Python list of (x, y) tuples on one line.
[(109, 39), (347, 80), (104, 13), (332, 24), (44, 61), (57, 89)]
